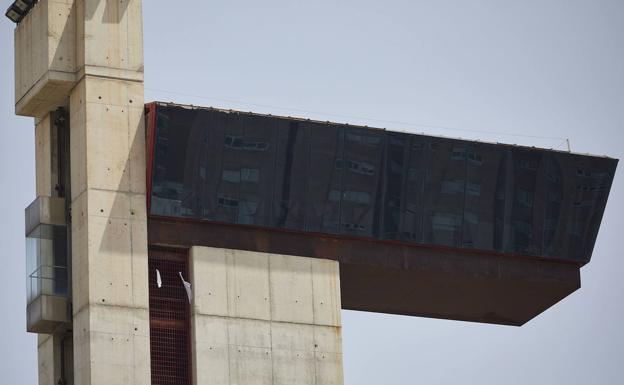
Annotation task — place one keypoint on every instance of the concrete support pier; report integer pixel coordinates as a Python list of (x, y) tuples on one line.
[(86, 58), (109, 219), (260, 318)]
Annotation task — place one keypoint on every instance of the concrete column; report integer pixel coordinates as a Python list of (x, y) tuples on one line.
[(261, 318), (43, 156), (109, 223), (88, 55), (47, 351)]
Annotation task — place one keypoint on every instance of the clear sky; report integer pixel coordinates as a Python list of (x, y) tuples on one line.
[(550, 69)]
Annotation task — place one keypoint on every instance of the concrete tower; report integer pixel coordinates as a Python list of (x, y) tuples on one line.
[(86, 59), (256, 318), (172, 244)]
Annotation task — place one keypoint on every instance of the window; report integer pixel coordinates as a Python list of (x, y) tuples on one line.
[(473, 189), (452, 187), (246, 144), (446, 222), (524, 198)]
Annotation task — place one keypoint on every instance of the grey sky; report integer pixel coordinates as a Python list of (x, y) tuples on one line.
[(540, 68)]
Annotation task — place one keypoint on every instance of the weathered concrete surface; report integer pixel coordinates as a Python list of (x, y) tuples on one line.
[(88, 55), (46, 349), (261, 318), (109, 230), (45, 60)]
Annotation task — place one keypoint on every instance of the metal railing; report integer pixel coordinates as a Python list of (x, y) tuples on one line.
[(47, 280)]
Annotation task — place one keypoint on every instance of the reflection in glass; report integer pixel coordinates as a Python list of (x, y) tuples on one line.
[(338, 179)]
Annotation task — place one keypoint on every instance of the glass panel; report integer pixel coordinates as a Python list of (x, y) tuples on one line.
[(291, 163), (362, 181), (444, 192), (171, 190), (252, 167), (576, 194), (524, 209), (393, 206), (324, 181), (417, 173), (482, 163), (46, 262)]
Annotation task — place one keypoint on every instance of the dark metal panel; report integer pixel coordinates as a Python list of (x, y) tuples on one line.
[(296, 174)]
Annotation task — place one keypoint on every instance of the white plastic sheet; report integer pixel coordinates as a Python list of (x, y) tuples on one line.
[(187, 287)]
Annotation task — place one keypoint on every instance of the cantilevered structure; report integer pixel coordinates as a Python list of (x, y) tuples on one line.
[(172, 245), (421, 225)]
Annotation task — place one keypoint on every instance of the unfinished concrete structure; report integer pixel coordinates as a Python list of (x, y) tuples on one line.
[(269, 272), (86, 58)]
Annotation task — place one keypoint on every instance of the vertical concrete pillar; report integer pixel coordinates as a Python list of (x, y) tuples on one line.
[(261, 318), (47, 350), (88, 55), (109, 223)]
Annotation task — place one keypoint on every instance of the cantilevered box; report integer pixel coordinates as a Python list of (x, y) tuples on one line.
[(46, 265), (421, 225), (45, 58)]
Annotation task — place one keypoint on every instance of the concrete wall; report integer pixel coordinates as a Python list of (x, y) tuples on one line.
[(87, 56), (45, 60), (261, 318), (47, 349), (109, 220)]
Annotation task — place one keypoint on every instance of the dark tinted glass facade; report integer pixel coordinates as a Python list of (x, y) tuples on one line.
[(328, 178)]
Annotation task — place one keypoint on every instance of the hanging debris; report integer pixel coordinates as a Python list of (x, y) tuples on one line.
[(187, 287)]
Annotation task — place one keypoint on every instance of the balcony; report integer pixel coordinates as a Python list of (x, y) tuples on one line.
[(47, 284)]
